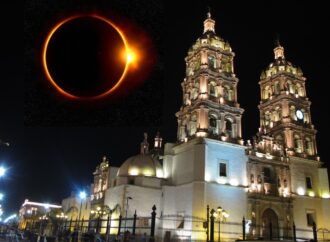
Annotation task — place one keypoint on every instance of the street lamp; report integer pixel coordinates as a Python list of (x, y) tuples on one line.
[(220, 215), (2, 171), (128, 198), (1, 196), (82, 196)]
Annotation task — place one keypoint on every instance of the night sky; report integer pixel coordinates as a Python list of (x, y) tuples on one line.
[(56, 143)]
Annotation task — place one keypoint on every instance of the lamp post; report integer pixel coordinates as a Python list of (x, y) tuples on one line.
[(42, 220), (221, 215), (128, 198), (61, 217), (100, 212), (97, 212), (82, 196)]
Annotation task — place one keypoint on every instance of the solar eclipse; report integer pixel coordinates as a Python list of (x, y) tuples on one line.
[(86, 57)]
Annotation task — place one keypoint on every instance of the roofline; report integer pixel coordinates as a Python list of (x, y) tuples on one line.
[(45, 205)]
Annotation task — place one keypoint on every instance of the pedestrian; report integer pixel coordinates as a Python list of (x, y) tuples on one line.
[(74, 236), (144, 237)]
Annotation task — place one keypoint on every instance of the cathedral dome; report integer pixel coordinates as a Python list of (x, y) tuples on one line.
[(144, 164), (280, 64), (141, 165)]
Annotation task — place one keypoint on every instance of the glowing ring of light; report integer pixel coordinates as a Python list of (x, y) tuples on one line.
[(52, 81)]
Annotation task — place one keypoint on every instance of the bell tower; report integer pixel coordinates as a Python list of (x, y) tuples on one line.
[(285, 109), (210, 107)]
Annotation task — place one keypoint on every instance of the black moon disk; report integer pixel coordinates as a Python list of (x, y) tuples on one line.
[(85, 57)]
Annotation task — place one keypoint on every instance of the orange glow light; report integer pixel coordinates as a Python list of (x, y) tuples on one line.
[(130, 57)]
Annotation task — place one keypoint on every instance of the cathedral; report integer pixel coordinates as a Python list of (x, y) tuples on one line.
[(275, 180)]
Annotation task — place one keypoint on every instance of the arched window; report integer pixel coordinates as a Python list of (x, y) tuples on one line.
[(277, 88), (211, 61), (213, 124), (212, 90), (229, 127), (289, 87), (297, 144), (285, 183), (267, 92), (277, 114), (227, 93), (299, 90), (308, 146), (251, 178), (267, 118), (267, 175), (228, 67), (279, 140)]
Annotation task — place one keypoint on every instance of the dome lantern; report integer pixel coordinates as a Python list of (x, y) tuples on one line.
[(209, 23)]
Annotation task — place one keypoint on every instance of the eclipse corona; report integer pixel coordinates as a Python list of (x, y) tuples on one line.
[(82, 57)]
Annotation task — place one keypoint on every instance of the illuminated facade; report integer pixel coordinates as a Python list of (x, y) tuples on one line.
[(276, 178), (72, 206), (33, 212), (104, 176), (285, 176)]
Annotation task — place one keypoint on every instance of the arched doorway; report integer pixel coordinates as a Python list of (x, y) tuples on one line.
[(270, 224)]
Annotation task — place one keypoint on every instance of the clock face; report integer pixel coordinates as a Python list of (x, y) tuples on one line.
[(299, 114)]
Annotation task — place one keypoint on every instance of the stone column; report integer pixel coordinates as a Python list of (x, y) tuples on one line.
[(239, 127), (203, 57), (203, 118), (203, 85), (314, 147), (223, 124), (219, 126), (288, 138)]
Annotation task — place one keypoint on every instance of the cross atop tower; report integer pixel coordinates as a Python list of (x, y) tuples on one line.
[(209, 12), (145, 144)]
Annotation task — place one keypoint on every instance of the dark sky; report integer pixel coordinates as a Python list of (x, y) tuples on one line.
[(55, 144)]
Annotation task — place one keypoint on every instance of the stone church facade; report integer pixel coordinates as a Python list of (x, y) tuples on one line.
[(276, 178)]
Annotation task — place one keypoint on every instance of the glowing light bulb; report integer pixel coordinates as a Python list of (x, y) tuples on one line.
[(301, 191)]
